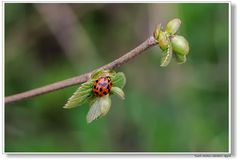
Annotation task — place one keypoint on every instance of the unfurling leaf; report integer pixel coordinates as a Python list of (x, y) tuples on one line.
[(101, 72), (118, 80), (99, 108), (82, 95), (166, 56), (163, 40), (180, 58), (118, 91), (96, 91), (96, 73), (173, 26), (157, 32), (180, 45), (170, 43)]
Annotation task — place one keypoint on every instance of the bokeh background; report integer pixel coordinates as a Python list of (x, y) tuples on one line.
[(180, 108)]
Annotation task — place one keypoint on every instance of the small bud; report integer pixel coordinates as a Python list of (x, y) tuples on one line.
[(173, 26), (157, 32), (163, 40), (180, 45)]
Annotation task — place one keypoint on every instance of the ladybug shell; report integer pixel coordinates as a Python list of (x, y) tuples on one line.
[(102, 86)]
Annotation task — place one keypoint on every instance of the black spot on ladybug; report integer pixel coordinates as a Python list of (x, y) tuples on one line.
[(104, 92), (100, 89), (94, 87), (96, 92), (96, 81)]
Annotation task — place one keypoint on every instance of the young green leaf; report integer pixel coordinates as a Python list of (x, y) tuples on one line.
[(101, 72), (118, 80), (163, 40), (180, 58), (118, 91), (96, 73), (80, 96), (105, 104), (166, 56), (173, 26), (180, 45), (99, 108), (157, 31), (94, 111), (91, 100), (78, 101)]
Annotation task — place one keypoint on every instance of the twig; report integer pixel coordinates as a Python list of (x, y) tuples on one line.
[(84, 77)]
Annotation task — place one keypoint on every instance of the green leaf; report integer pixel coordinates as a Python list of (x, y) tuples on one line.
[(92, 100), (118, 91), (99, 108), (173, 26), (111, 72), (157, 31), (163, 40), (118, 80), (99, 72), (166, 56), (180, 58), (82, 95), (180, 45), (95, 74)]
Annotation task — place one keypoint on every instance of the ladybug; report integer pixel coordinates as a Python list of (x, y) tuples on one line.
[(102, 86)]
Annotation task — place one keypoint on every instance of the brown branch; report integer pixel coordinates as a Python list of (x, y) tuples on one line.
[(84, 77)]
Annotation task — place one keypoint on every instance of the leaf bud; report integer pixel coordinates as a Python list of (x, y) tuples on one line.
[(180, 45), (173, 26)]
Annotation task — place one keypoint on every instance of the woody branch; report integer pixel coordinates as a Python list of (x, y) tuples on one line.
[(83, 77)]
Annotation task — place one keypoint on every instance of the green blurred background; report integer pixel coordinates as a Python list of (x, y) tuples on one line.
[(180, 108)]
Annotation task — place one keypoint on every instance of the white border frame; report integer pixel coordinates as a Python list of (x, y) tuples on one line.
[(196, 154)]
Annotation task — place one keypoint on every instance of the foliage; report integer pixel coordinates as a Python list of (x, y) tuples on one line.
[(99, 105), (169, 42)]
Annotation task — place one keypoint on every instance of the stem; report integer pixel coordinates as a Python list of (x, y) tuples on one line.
[(84, 77)]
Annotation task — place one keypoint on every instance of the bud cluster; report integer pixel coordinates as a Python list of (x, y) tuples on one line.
[(170, 43)]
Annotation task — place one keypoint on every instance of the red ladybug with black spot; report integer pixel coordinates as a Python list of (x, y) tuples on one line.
[(102, 86)]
